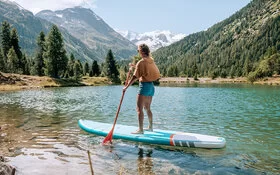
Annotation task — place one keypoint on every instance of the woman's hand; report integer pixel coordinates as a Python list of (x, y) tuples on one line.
[(124, 88)]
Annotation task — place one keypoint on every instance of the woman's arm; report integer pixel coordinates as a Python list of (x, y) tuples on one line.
[(130, 82)]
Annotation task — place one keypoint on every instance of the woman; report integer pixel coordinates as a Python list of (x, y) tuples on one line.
[(147, 72)]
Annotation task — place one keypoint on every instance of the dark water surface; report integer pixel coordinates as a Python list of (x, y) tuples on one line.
[(40, 134)]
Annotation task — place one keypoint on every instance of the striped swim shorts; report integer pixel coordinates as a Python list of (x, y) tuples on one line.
[(146, 89)]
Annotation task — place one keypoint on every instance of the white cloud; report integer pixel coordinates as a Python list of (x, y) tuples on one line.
[(38, 5)]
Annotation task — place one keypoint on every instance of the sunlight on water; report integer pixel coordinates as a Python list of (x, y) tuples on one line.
[(39, 130)]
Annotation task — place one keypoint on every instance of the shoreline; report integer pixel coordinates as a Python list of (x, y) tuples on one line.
[(13, 82), (274, 81)]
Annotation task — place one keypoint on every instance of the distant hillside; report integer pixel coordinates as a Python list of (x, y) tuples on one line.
[(232, 47), (29, 27), (88, 27)]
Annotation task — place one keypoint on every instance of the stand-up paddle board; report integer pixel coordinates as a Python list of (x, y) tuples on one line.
[(157, 137)]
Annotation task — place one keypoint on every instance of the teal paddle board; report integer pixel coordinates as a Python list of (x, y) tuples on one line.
[(157, 137)]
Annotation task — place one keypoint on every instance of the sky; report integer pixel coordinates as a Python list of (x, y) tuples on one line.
[(177, 16)]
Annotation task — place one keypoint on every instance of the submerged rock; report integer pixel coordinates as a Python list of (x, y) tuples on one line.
[(6, 169)]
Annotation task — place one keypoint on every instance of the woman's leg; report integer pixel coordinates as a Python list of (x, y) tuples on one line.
[(140, 113), (147, 106)]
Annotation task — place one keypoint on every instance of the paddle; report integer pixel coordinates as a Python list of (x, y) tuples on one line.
[(109, 137)]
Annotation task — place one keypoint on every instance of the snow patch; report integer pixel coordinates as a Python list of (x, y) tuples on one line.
[(59, 15)]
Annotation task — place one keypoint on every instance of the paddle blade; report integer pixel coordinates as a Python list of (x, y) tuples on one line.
[(108, 139)]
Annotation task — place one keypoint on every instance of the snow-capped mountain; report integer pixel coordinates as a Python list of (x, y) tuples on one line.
[(155, 39)]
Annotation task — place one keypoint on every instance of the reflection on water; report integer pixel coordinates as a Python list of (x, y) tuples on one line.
[(41, 136), (145, 162)]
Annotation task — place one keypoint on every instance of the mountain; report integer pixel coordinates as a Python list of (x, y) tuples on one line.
[(28, 27), (23, 21), (232, 47), (155, 39), (88, 27)]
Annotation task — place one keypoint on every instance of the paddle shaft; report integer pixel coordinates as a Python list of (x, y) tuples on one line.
[(117, 114), (110, 134)]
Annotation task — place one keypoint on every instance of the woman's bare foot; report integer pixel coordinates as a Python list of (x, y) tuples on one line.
[(138, 132), (148, 129)]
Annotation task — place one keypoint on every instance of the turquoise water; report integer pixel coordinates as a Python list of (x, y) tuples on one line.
[(40, 133)]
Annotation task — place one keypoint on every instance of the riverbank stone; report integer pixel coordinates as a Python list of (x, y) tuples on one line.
[(6, 169)]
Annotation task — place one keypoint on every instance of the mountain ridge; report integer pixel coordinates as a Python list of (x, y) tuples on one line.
[(28, 27), (91, 30), (232, 47)]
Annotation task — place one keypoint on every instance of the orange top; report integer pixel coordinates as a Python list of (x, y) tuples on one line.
[(146, 70)]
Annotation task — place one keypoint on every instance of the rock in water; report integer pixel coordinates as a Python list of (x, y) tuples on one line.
[(6, 169)]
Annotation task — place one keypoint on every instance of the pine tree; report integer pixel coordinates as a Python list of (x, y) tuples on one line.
[(232, 71), (111, 70), (246, 67), (2, 64), (125, 69), (81, 66), (26, 68), (170, 71), (277, 65), (176, 72), (55, 58), (39, 59), (12, 61), (135, 59), (195, 71), (14, 43), (5, 39), (86, 68), (95, 70), (70, 65), (77, 70)]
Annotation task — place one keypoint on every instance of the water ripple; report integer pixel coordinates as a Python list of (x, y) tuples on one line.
[(247, 116)]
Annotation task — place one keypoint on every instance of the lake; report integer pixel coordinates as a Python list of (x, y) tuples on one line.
[(40, 133)]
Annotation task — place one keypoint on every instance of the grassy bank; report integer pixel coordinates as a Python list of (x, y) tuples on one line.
[(275, 80), (10, 82)]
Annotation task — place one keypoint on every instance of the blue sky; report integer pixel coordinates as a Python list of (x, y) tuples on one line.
[(179, 16)]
